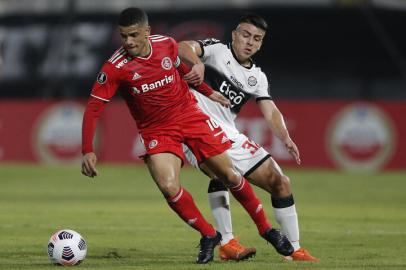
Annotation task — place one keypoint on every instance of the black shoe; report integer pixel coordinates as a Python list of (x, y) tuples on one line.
[(279, 241), (207, 245)]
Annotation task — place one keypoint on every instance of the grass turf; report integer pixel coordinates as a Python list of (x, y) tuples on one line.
[(349, 221)]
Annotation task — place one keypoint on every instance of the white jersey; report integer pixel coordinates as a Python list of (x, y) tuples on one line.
[(235, 82)]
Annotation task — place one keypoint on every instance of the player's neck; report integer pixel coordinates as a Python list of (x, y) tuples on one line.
[(247, 62), (146, 51)]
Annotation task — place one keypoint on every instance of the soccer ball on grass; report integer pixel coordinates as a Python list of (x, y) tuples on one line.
[(67, 247)]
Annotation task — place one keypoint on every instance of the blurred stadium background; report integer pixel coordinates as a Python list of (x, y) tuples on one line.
[(338, 73), (337, 70)]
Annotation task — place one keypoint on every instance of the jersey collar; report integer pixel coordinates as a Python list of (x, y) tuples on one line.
[(150, 53)]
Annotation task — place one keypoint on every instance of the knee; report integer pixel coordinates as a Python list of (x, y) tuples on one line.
[(231, 177), (281, 185), (285, 181), (168, 186)]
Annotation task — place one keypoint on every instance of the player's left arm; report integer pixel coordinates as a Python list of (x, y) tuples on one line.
[(188, 53), (276, 123)]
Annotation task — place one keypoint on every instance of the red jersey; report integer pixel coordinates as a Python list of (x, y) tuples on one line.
[(151, 85)]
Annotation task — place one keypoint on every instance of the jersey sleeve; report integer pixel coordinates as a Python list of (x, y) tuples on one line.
[(203, 88), (208, 46), (94, 108), (175, 57), (106, 83), (263, 89)]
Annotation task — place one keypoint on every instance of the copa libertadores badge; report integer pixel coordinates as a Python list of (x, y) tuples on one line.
[(102, 78)]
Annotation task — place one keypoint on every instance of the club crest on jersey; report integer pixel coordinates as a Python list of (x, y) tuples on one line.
[(153, 144), (252, 81), (102, 78), (166, 63)]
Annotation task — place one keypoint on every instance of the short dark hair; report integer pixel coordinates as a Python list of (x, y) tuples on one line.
[(131, 16), (255, 20)]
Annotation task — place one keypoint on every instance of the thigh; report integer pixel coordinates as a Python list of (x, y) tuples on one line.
[(190, 157), (204, 137), (223, 168), (156, 142), (164, 169), (267, 176)]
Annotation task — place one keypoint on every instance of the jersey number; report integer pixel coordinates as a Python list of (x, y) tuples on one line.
[(250, 145), (212, 124)]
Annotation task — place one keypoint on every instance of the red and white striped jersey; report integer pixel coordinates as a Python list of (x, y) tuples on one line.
[(151, 85)]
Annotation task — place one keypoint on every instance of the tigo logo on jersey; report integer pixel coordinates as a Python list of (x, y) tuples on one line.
[(236, 97), (166, 63), (153, 144)]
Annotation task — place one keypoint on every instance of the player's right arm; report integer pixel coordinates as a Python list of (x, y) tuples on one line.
[(94, 108), (188, 51), (203, 49), (103, 90), (204, 88), (188, 54)]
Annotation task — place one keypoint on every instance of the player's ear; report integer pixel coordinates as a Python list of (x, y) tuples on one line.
[(147, 31), (233, 33), (259, 46)]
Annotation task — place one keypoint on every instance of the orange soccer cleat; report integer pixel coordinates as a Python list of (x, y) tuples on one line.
[(301, 255), (235, 251)]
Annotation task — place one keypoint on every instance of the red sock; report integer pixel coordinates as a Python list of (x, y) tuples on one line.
[(244, 193), (182, 203)]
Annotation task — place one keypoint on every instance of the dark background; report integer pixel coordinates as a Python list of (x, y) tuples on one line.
[(313, 52)]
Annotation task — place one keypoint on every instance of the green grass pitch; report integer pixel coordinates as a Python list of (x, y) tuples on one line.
[(349, 221)]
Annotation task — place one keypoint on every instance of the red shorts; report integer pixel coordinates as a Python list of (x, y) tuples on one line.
[(202, 135)]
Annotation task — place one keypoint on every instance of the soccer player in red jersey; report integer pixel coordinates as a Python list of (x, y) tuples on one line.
[(145, 72)]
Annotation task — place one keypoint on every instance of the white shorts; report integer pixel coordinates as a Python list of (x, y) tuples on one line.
[(245, 154)]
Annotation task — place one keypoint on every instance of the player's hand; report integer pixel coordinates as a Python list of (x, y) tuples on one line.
[(293, 150), (89, 165), (217, 97), (196, 75)]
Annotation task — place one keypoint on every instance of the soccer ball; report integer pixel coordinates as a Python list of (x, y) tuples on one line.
[(67, 247)]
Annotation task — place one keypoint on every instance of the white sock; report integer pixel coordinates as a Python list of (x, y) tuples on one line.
[(220, 208), (287, 219)]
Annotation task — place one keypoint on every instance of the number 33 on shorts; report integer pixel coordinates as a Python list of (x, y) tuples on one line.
[(250, 145)]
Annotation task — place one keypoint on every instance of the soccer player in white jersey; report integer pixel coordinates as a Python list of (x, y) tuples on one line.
[(230, 70)]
